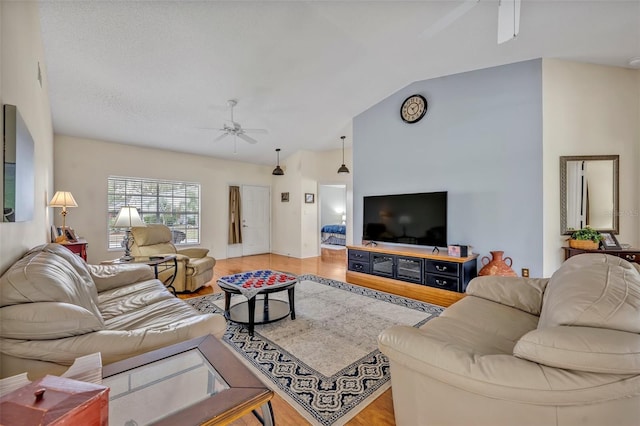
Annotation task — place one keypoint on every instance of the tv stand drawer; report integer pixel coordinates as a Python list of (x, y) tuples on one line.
[(442, 267), (356, 266), (359, 255), (443, 282)]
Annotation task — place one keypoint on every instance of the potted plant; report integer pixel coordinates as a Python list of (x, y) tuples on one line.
[(586, 238)]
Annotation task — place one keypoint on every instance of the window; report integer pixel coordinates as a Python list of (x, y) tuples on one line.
[(175, 204)]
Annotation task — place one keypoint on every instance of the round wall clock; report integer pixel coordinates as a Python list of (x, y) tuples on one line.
[(413, 108)]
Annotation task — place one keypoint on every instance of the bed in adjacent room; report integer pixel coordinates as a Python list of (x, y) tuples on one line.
[(334, 235)]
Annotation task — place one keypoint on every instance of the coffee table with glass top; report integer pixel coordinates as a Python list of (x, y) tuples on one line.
[(251, 284), (197, 382)]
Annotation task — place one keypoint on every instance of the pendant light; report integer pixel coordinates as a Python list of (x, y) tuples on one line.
[(343, 168), (278, 171)]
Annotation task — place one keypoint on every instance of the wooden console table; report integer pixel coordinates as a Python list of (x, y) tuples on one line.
[(631, 255), (411, 272)]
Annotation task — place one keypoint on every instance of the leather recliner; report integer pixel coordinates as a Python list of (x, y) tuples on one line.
[(195, 268)]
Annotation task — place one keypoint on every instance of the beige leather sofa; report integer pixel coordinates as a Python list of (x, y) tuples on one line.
[(517, 351), (195, 268), (54, 308)]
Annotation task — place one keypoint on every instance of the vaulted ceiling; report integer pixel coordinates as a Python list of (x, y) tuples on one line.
[(155, 73)]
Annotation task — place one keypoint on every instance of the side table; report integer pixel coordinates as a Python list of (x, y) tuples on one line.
[(79, 247), (158, 263)]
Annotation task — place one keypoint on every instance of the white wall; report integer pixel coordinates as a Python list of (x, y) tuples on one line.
[(332, 201), (296, 223), (21, 50), (286, 218), (82, 166), (481, 140), (590, 110)]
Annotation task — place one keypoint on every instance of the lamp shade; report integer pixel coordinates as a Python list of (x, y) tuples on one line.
[(63, 199), (128, 217)]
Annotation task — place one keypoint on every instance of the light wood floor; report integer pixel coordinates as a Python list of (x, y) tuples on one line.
[(332, 264)]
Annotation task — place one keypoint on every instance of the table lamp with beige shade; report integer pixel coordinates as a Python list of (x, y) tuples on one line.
[(128, 217), (63, 199)]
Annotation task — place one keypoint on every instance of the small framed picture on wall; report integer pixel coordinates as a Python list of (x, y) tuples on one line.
[(309, 198), (284, 197), (609, 241)]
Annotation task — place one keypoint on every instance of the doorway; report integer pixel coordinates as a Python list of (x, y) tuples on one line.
[(333, 217), (256, 219)]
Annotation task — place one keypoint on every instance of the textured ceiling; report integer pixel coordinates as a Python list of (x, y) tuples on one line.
[(154, 73)]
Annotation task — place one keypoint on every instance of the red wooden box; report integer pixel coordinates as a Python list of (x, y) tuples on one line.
[(64, 402)]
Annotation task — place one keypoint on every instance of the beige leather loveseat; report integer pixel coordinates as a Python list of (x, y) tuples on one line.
[(517, 351), (54, 308), (195, 268)]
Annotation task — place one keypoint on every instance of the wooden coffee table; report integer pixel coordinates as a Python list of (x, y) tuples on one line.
[(251, 284), (191, 383)]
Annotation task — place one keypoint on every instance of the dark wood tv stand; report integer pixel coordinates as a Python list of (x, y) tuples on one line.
[(413, 272)]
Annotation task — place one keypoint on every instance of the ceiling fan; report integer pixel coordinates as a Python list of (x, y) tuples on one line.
[(508, 19), (236, 130)]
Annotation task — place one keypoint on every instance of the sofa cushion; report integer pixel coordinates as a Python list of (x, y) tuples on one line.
[(117, 344), (50, 273), (107, 277), (593, 291), (128, 300), (598, 350), (46, 320)]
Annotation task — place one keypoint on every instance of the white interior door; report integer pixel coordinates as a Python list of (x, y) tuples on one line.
[(256, 219)]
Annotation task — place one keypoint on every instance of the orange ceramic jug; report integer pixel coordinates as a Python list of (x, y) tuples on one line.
[(497, 265)]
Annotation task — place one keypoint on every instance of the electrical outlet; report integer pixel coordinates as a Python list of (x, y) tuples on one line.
[(525, 272)]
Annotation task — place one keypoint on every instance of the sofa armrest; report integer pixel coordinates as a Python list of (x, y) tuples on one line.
[(524, 294), (195, 252), (107, 277)]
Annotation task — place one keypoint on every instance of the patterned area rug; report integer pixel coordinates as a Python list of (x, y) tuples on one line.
[(325, 363)]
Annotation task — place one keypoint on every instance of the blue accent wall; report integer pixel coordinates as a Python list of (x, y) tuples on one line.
[(481, 140)]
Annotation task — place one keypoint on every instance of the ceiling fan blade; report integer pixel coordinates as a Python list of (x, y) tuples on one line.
[(508, 20), (449, 18), (261, 131), (222, 136), (247, 138)]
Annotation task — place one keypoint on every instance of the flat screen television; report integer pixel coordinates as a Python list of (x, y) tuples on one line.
[(419, 219)]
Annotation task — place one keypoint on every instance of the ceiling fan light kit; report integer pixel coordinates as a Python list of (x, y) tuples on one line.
[(236, 130), (343, 168), (278, 171)]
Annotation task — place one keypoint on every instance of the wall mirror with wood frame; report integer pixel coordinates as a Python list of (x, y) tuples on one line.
[(589, 192)]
